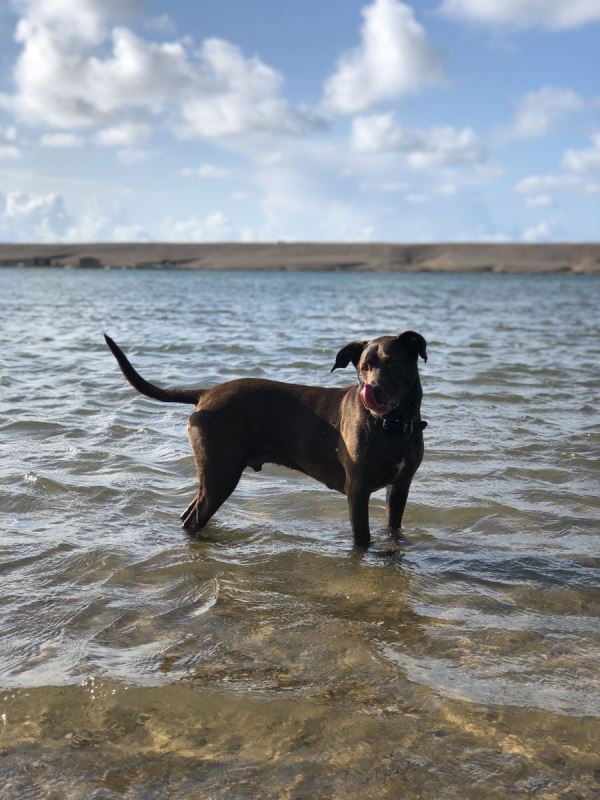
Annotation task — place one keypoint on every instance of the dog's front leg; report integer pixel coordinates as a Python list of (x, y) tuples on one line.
[(358, 505), (396, 496)]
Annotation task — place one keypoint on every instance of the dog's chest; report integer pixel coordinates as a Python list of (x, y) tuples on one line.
[(384, 474), (385, 463)]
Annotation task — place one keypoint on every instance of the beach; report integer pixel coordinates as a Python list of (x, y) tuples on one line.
[(451, 257)]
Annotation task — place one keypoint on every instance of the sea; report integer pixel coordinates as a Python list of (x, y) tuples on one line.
[(269, 658)]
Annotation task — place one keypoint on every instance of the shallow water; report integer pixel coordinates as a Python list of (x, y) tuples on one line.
[(270, 659)]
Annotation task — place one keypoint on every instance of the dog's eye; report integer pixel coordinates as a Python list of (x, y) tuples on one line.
[(365, 367)]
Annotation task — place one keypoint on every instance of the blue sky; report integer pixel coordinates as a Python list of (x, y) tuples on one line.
[(381, 120)]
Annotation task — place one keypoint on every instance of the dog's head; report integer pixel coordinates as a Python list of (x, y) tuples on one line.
[(387, 368)]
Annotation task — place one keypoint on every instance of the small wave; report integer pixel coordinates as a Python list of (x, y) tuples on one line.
[(557, 694), (509, 569), (208, 602), (68, 484), (40, 426), (40, 554)]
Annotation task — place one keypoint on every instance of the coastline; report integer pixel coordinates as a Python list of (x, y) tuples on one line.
[(306, 256)]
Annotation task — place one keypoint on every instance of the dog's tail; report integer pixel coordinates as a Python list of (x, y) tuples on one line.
[(149, 389)]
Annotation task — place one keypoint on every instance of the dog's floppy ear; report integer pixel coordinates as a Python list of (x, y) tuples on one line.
[(349, 353), (416, 342)]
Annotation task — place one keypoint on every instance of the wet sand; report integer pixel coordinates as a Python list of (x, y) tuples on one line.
[(512, 258)]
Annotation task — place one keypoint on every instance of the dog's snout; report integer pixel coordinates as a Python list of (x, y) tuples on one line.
[(378, 391)]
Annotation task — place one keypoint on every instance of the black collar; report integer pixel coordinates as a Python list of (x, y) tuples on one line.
[(394, 423)]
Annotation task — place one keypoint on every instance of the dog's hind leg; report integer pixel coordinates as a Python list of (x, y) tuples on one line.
[(213, 492), (219, 463), (189, 508)]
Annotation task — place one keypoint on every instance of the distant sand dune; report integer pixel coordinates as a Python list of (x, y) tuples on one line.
[(526, 258)]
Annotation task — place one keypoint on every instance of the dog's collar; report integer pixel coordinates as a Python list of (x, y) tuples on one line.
[(393, 423)]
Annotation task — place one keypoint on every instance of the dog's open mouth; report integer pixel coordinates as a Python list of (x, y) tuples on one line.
[(373, 399)]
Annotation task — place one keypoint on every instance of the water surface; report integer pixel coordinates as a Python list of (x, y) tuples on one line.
[(270, 659)]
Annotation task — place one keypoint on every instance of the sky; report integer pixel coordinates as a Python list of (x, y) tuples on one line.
[(320, 120)]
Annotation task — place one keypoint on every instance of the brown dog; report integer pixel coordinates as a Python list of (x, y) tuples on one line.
[(356, 439)]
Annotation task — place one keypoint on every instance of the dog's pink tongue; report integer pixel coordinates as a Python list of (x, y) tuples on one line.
[(369, 400)]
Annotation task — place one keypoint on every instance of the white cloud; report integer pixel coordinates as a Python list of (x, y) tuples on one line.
[(60, 83), (538, 110), (417, 198), (552, 14), (537, 188), (584, 162), (433, 147), (132, 155), (378, 133), (130, 233), (126, 134), (66, 140), (537, 233), (44, 218), (539, 200), (8, 134), (540, 184), (162, 23), (18, 204), (394, 58), (392, 187), (447, 189), (214, 227), (32, 217), (209, 171), (63, 78), (299, 191), (86, 20), (485, 237), (240, 96), (581, 174), (320, 190), (8, 143)]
